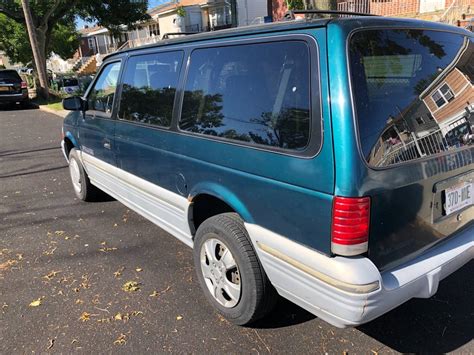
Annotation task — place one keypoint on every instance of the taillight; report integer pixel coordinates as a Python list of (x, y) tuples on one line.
[(350, 225), (24, 85)]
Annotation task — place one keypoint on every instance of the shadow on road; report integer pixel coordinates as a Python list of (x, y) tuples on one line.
[(285, 314), (18, 107), (440, 324), (32, 172), (17, 152)]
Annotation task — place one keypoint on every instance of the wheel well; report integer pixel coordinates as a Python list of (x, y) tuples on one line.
[(203, 207), (68, 145)]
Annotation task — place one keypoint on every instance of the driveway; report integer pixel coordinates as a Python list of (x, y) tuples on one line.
[(96, 277)]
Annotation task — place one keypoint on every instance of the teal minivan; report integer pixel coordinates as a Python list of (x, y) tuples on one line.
[(329, 161)]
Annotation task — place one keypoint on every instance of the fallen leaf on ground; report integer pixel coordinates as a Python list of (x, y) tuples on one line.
[(85, 281), (59, 232), (36, 303), (179, 317), (51, 343), (118, 273), (51, 275), (107, 249), (50, 251), (138, 269), (131, 286), (85, 316), (121, 340), (7, 264), (118, 316), (156, 293)]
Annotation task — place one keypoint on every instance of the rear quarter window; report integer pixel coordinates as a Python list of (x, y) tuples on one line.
[(258, 94), (411, 89)]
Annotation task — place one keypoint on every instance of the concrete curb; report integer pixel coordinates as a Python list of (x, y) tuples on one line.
[(60, 113)]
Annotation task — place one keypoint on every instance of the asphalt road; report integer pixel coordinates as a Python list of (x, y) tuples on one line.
[(73, 259)]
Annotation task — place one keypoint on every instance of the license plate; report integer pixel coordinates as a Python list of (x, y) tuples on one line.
[(4, 88), (458, 197)]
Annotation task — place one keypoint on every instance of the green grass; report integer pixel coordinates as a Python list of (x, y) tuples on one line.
[(54, 103), (57, 106)]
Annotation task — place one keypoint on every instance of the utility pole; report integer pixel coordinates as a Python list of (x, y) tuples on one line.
[(40, 65)]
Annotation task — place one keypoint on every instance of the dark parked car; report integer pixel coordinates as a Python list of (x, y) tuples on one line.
[(12, 88)]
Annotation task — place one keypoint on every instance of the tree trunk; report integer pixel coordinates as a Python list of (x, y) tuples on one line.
[(37, 41)]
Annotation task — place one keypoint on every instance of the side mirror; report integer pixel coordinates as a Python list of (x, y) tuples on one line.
[(74, 103)]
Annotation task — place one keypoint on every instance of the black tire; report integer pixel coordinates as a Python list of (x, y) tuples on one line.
[(257, 295), (25, 104), (87, 191)]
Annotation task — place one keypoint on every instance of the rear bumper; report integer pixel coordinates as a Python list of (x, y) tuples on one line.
[(14, 97), (351, 291)]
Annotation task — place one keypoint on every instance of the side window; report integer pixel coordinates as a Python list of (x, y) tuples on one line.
[(101, 97), (255, 93), (149, 88)]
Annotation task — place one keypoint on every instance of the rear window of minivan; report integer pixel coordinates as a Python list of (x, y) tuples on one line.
[(257, 94), (410, 88)]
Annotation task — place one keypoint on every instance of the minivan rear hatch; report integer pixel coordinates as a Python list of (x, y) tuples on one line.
[(413, 98)]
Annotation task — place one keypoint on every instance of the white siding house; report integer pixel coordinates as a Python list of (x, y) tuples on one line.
[(251, 11)]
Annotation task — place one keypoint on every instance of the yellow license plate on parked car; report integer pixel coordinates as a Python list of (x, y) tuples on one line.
[(458, 197)]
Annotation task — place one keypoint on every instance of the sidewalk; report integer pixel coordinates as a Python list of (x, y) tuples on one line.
[(60, 113)]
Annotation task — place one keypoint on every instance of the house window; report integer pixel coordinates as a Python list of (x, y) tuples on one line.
[(153, 30), (220, 16), (420, 120), (443, 95), (91, 42)]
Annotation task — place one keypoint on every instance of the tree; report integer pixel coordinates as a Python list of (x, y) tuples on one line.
[(14, 40), (46, 14)]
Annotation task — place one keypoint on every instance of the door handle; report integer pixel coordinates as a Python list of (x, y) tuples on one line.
[(107, 144)]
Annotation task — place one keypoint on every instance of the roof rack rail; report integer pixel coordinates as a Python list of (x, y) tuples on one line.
[(167, 35), (290, 15)]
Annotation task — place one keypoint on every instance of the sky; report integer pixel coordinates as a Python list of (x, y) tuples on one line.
[(151, 3)]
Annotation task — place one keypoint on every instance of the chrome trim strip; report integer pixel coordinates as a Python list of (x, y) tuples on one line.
[(349, 250), (344, 286)]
